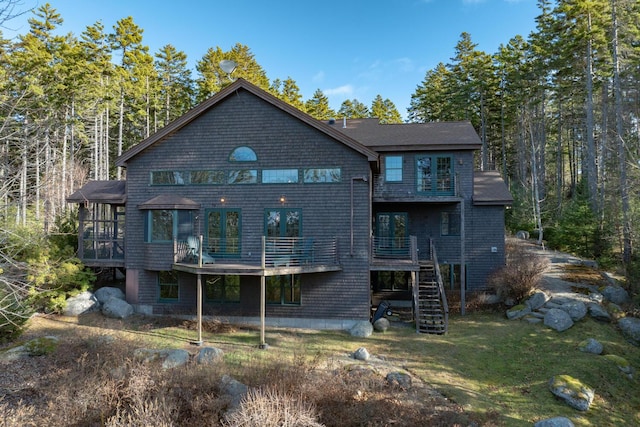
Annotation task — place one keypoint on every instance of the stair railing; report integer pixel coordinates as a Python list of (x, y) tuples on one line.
[(443, 295)]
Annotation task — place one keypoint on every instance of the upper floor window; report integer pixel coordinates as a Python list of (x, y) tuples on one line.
[(166, 225), (169, 178), (208, 177), (434, 174), (280, 176), (243, 154), (393, 168), (313, 175), (449, 224)]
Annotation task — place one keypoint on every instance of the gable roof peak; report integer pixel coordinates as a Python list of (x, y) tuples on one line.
[(224, 93)]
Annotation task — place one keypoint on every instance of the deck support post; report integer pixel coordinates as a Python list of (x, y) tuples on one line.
[(263, 297)]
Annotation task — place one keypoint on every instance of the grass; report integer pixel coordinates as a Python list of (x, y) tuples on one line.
[(492, 371)]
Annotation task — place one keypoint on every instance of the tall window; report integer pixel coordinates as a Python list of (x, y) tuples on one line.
[(223, 288), (168, 287), (393, 168), (451, 275), (165, 225), (283, 289), (434, 174), (224, 231)]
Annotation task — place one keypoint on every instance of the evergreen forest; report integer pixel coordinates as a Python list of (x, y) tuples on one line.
[(557, 111)]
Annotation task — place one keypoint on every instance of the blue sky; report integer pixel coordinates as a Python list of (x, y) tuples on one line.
[(350, 49)]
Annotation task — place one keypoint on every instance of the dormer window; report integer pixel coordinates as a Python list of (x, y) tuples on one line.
[(243, 154)]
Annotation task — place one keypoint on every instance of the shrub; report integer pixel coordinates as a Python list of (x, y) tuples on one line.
[(521, 274), (266, 407)]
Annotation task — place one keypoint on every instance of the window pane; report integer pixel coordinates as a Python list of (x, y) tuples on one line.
[(169, 178), (207, 177), (273, 289), (273, 223), (293, 224), (322, 175), (161, 225), (185, 224), (444, 173), (280, 176), (243, 154), (232, 288), (291, 289), (168, 285), (393, 168), (243, 176), (232, 232), (424, 174)]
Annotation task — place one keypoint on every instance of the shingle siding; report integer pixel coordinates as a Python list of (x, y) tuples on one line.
[(279, 142)]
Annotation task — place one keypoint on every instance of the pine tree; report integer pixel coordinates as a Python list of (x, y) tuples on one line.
[(318, 106), (353, 109), (385, 111)]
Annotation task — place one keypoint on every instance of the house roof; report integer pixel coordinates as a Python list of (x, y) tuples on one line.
[(112, 192), (241, 84), (490, 189), (169, 201), (411, 136)]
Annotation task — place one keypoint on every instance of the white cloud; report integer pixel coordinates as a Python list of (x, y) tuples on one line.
[(344, 90)]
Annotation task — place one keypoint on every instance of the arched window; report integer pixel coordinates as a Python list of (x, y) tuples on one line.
[(243, 154)]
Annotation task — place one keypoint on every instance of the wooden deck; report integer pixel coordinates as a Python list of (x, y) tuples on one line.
[(223, 268)]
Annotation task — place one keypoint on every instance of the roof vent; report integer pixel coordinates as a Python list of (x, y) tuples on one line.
[(332, 121)]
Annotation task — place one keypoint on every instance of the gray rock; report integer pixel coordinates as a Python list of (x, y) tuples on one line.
[(558, 319), (596, 297), (591, 345), (117, 308), (234, 389), (630, 327), (175, 358), (518, 311), (107, 292), (400, 379), (616, 294), (522, 235), (361, 354), (598, 312), (82, 303), (554, 422), (361, 329), (572, 392), (35, 347), (208, 355), (576, 309), (537, 300), (170, 358), (381, 325)]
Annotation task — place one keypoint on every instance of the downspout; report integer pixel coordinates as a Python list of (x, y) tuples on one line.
[(356, 178), (463, 260)]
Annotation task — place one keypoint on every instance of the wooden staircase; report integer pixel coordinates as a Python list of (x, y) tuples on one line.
[(430, 301)]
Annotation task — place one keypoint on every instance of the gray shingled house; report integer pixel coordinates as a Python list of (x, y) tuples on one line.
[(264, 211)]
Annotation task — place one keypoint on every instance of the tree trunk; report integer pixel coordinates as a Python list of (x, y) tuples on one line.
[(620, 144), (590, 155)]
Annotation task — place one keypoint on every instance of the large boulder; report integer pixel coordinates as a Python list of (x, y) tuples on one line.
[(361, 329), (117, 308), (630, 327), (381, 325), (598, 312), (572, 392), (537, 300), (361, 354), (554, 422), (104, 294), (558, 319), (82, 303), (208, 355), (591, 345), (518, 311), (575, 309), (616, 294), (170, 358)]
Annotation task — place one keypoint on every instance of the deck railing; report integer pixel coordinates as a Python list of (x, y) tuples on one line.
[(402, 248), (276, 252), (299, 251)]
